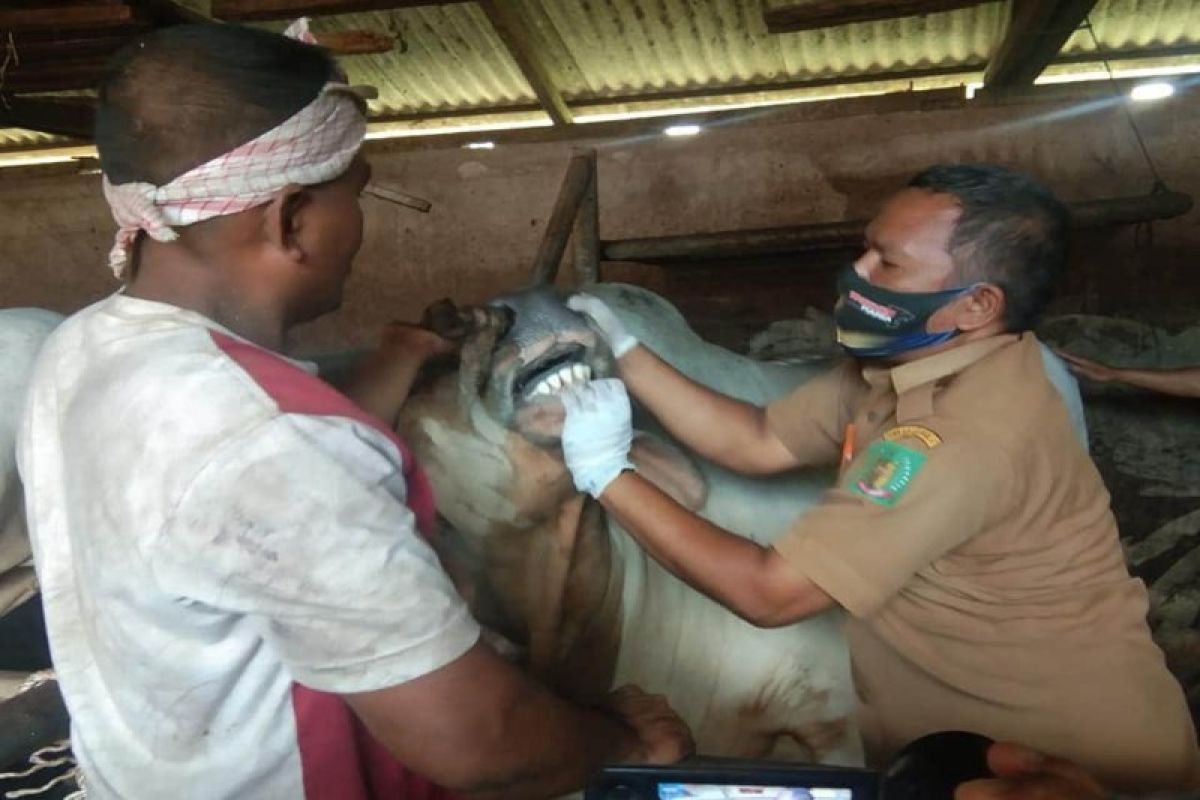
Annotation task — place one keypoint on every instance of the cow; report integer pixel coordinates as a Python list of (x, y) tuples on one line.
[(543, 566), (22, 331)]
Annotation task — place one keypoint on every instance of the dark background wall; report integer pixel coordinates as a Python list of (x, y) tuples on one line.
[(764, 168)]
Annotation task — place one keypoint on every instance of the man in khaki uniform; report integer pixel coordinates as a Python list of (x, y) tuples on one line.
[(969, 535)]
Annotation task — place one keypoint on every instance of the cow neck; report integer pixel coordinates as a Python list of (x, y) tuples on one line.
[(575, 627)]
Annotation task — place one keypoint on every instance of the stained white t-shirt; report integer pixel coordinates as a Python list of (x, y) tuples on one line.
[(214, 530)]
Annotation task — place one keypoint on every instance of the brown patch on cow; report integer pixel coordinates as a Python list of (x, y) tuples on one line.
[(823, 737), (812, 743)]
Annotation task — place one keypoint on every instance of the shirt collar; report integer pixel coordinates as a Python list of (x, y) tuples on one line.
[(138, 307), (906, 377)]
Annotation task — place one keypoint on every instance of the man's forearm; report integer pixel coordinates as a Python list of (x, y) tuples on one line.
[(586, 741), (1184, 382), (750, 580), (479, 726), (380, 385), (723, 429)]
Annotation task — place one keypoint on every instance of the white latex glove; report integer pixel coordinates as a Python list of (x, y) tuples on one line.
[(619, 339), (596, 433)]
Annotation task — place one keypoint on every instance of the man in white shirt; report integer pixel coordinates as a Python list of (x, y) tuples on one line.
[(230, 551)]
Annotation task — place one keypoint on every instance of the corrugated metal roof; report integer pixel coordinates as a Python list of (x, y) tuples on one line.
[(610, 56), (446, 57), (23, 139), (450, 57), (1124, 25), (634, 47)]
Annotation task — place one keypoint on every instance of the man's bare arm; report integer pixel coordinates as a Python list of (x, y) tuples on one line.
[(480, 727), (1181, 382), (753, 581), (724, 430), (383, 378)]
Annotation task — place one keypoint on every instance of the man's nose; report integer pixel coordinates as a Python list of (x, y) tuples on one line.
[(866, 264)]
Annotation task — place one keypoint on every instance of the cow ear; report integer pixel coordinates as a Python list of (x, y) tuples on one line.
[(670, 469)]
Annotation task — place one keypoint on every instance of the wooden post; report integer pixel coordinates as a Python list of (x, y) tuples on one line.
[(562, 218), (587, 230)]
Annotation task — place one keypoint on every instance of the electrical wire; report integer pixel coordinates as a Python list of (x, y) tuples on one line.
[(1159, 184)]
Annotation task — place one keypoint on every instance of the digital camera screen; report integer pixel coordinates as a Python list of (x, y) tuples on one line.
[(712, 791)]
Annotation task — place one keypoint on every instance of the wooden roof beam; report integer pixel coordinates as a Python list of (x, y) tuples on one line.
[(48, 116), (34, 48), (68, 17), (253, 10), (344, 43), (55, 77), (518, 39), (1036, 35), (165, 12), (807, 15)]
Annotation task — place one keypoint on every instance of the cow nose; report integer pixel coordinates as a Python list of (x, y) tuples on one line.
[(456, 322), (502, 317)]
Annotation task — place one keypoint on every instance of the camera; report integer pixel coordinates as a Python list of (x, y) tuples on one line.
[(927, 769)]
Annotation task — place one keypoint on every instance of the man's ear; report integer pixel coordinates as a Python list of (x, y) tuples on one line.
[(982, 306), (283, 218)]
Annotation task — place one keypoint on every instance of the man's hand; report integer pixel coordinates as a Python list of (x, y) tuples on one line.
[(619, 339), (381, 382), (664, 738), (1092, 370), (403, 341), (1025, 774), (597, 433)]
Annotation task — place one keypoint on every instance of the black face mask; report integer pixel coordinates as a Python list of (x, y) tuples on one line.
[(876, 323)]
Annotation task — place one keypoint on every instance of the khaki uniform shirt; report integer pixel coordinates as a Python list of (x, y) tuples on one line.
[(971, 539)]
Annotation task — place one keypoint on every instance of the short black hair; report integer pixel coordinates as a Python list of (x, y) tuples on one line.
[(1013, 232), (180, 96)]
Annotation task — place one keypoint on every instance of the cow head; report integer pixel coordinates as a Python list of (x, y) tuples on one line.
[(533, 553), (487, 427)]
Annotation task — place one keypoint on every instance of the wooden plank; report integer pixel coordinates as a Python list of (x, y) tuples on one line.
[(54, 76), (65, 17), (247, 10), (164, 12), (813, 14), (48, 116), (1140, 54), (33, 48), (356, 42), (1036, 35), (834, 81), (587, 229), (13, 4), (848, 234), (394, 195), (519, 40), (574, 187)]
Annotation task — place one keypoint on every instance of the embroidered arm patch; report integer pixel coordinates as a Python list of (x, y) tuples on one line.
[(886, 472)]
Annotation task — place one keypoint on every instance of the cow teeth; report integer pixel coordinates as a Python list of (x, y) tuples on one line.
[(581, 372), (541, 388), (555, 382), (566, 376)]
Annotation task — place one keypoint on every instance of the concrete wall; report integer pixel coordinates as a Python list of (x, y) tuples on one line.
[(773, 167)]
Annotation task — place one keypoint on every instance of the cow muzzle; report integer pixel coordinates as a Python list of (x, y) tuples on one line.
[(519, 354)]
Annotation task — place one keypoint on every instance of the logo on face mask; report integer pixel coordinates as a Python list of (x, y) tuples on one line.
[(885, 314), (873, 322)]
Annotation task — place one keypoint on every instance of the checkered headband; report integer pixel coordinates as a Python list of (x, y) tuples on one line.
[(314, 145)]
